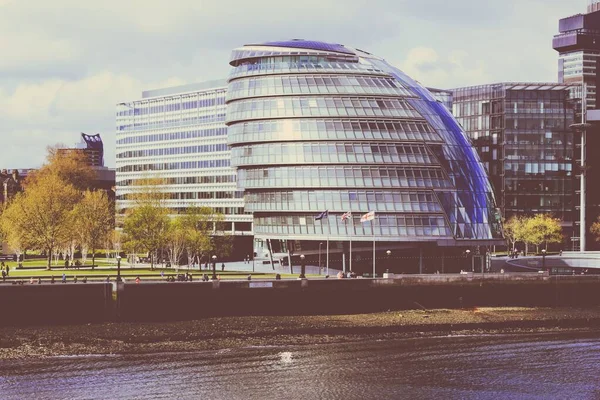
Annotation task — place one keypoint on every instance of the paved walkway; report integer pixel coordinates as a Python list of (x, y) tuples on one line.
[(263, 268), (241, 266)]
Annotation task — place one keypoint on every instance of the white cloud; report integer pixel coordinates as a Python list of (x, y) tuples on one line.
[(55, 111), (455, 69), (27, 49), (66, 63)]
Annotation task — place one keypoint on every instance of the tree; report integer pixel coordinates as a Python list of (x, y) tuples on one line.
[(222, 240), (114, 242), (542, 229), (10, 232), (198, 225), (514, 230), (40, 216), (146, 223), (176, 241), (93, 220), (595, 229), (70, 165)]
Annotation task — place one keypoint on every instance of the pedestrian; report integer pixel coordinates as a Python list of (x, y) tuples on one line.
[(39, 281), (84, 279), (64, 278), (137, 279), (222, 266), (52, 279), (75, 279), (3, 276), (7, 270), (108, 279), (249, 277), (162, 274), (31, 280)]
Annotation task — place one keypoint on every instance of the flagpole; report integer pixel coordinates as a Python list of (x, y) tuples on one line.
[(327, 259), (373, 227), (350, 235)]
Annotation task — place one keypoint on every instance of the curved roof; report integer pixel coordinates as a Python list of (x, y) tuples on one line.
[(309, 44)]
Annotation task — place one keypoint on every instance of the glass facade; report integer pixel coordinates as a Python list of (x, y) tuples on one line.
[(578, 47), (179, 135), (522, 134), (314, 126)]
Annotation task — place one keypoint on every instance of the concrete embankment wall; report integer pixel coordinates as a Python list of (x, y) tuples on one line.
[(55, 303), (161, 301)]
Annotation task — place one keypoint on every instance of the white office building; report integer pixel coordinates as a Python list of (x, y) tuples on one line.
[(178, 134)]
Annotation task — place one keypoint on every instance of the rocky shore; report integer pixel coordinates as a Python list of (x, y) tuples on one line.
[(231, 332)]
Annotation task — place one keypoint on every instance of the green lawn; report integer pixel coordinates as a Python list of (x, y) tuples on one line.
[(40, 263)]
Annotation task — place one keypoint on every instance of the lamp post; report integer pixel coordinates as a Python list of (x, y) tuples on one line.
[(118, 268), (214, 267), (320, 244), (468, 254), (302, 267), (389, 259), (582, 128), (544, 260)]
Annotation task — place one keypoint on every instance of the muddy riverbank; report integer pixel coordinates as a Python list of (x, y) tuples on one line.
[(235, 332)]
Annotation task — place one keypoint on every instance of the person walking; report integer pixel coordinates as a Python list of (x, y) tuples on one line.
[(3, 276), (222, 266)]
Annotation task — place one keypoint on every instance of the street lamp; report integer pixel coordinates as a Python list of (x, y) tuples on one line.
[(320, 244), (468, 254), (214, 265), (389, 253), (302, 267), (118, 268), (544, 259), (582, 128)]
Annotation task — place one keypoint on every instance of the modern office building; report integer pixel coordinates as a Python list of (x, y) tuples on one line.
[(178, 134), (92, 147), (523, 136), (578, 46), (11, 185), (320, 129), (443, 96)]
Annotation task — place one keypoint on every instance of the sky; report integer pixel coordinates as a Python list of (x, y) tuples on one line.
[(65, 64)]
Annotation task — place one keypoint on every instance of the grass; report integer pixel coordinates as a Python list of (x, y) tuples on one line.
[(41, 263)]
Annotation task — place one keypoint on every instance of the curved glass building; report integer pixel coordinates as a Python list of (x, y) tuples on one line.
[(317, 127)]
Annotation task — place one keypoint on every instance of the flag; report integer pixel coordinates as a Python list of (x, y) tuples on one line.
[(324, 214), (370, 216), (346, 216)]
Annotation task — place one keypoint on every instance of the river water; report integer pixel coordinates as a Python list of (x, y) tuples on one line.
[(455, 367)]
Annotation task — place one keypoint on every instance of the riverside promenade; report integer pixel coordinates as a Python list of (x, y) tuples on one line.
[(70, 302)]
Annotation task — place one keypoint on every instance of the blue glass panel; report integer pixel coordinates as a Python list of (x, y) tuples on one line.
[(310, 44)]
